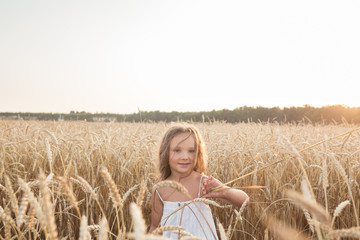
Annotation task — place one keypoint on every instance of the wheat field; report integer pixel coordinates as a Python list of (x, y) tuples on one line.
[(81, 180)]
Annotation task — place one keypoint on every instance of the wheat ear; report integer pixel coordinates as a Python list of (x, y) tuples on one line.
[(166, 228), (31, 221), (84, 232), (266, 234), (49, 153), (338, 210), (24, 203), (353, 232), (5, 217), (172, 184), (221, 230), (85, 186), (139, 222), (312, 206), (210, 202), (52, 135), (104, 229), (7, 226), (129, 191), (33, 201), (69, 194), (190, 238), (12, 196), (343, 174), (48, 207), (114, 192), (141, 194), (239, 215), (282, 231), (308, 219)]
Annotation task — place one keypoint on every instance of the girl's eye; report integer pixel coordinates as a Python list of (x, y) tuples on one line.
[(176, 150), (192, 151)]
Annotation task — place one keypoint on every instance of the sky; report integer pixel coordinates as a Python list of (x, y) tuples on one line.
[(128, 55)]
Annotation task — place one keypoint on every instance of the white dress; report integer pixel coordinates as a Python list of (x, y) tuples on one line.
[(198, 223)]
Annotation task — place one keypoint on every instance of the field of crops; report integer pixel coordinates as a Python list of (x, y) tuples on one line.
[(76, 180)]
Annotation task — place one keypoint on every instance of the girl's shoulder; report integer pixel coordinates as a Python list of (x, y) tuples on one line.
[(200, 176)]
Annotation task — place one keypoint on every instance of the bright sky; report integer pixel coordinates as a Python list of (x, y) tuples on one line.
[(188, 55)]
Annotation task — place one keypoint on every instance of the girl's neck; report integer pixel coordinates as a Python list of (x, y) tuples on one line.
[(179, 177)]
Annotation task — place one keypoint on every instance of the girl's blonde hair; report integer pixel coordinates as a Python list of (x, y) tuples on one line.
[(164, 151)]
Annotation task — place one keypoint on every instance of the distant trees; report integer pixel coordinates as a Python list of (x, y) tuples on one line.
[(306, 113)]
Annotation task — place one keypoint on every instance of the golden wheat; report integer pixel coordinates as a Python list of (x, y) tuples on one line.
[(250, 153)]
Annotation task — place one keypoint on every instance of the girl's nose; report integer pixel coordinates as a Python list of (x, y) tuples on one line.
[(184, 155)]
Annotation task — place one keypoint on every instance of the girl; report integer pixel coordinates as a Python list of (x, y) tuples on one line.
[(182, 158)]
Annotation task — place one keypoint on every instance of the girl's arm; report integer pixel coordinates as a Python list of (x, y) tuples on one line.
[(156, 211), (228, 195)]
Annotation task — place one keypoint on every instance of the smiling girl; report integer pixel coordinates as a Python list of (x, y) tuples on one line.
[(182, 158)]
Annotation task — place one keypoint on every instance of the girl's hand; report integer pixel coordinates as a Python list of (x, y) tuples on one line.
[(226, 194), (210, 183)]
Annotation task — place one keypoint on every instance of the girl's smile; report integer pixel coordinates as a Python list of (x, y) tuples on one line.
[(184, 164)]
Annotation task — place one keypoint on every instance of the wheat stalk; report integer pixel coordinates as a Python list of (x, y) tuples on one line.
[(325, 181)]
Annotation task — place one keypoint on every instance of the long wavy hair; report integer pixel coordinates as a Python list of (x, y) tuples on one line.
[(164, 151)]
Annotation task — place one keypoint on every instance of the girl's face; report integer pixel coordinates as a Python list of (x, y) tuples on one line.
[(182, 158)]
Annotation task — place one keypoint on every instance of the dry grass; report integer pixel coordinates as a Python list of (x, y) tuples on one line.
[(86, 163)]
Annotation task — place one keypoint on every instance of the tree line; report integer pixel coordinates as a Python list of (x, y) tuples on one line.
[(326, 114)]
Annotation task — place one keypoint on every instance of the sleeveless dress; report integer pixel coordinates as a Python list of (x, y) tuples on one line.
[(189, 217)]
